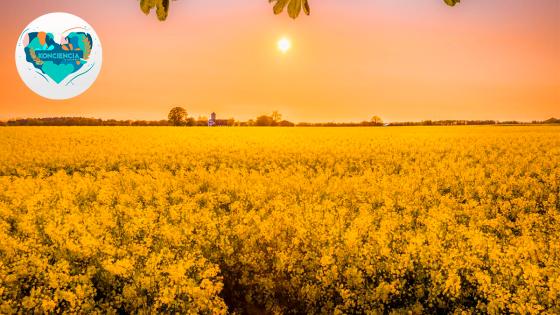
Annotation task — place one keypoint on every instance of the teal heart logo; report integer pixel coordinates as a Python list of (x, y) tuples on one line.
[(58, 60)]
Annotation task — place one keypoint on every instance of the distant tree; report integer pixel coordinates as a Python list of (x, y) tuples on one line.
[(276, 116), (552, 121), (190, 122), (285, 123), (202, 121), (376, 121), (264, 120), (177, 116)]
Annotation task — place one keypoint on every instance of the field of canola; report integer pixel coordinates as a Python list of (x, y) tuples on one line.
[(280, 220)]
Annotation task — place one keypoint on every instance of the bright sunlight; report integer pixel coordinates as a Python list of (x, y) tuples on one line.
[(284, 44)]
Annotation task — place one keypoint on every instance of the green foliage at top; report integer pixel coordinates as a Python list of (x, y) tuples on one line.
[(294, 7), (161, 6), (452, 2)]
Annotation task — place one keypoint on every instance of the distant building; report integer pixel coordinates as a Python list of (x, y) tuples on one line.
[(213, 122)]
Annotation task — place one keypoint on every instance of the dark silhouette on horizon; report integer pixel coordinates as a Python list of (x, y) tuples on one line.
[(262, 120)]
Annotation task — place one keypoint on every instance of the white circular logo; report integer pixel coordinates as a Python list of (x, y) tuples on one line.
[(58, 56)]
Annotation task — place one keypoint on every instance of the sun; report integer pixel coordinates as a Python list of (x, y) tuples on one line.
[(284, 44)]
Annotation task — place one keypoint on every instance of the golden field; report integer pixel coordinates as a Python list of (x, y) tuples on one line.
[(280, 220)]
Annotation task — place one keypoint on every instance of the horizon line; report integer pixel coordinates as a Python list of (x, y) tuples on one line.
[(296, 122)]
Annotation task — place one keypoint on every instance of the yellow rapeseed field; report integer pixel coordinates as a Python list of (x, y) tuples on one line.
[(280, 220)]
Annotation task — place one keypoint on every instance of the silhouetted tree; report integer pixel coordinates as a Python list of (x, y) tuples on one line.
[(264, 120), (285, 123), (177, 116), (202, 121), (190, 122), (276, 116), (376, 121)]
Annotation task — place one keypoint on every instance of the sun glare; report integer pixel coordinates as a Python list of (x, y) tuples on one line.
[(284, 45)]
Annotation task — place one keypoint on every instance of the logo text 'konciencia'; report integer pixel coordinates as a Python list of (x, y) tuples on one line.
[(58, 56)]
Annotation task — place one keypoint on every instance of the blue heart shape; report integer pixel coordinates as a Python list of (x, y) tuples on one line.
[(57, 72)]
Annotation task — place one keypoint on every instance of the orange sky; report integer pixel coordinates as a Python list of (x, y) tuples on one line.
[(351, 59)]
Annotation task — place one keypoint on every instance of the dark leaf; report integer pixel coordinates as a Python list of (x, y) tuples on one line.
[(452, 2), (161, 6), (294, 8)]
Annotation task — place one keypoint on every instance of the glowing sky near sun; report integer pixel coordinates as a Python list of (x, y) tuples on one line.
[(348, 61)]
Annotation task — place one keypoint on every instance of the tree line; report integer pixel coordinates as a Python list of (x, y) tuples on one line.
[(80, 121), (179, 117)]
